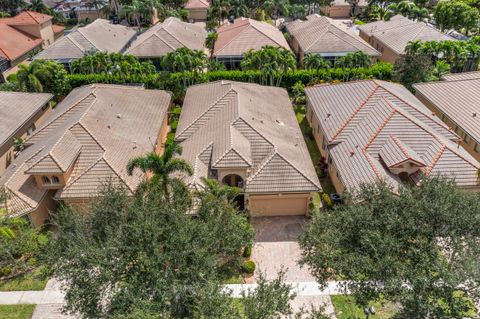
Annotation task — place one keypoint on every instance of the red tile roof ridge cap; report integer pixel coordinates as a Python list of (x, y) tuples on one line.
[(349, 119), (435, 159)]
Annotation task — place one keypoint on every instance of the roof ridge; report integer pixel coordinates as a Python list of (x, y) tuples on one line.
[(231, 40), (70, 183), (298, 170), (86, 38), (400, 146), (435, 159), (19, 197), (118, 174), (173, 36), (414, 107), (56, 118), (460, 155), (208, 109), (349, 119), (372, 164), (379, 129), (57, 142), (41, 159), (264, 163), (258, 29), (256, 131)]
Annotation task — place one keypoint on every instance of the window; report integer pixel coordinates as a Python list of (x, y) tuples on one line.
[(55, 180), (477, 148), (330, 160), (31, 129), (46, 180), (467, 139)]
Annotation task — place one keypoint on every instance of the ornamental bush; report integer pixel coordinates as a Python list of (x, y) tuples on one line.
[(248, 267), (247, 252)]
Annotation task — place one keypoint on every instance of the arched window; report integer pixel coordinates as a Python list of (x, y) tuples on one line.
[(233, 180), (46, 180), (55, 180)]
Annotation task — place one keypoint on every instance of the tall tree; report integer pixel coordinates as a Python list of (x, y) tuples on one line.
[(457, 15), (417, 246), (315, 62), (42, 76)]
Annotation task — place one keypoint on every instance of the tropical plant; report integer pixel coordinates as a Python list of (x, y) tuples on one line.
[(210, 41), (20, 245), (37, 5), (185, 60), (111, 63), (18, 144), (42, 76), (139, 11), (457, 15), (315, 62), (270, 61), (416, 246), (357, 59), (407, 9), (164, 168)]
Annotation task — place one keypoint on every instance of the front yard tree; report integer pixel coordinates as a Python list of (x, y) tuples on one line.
[(457, 15), (144, 255), (419, 247)]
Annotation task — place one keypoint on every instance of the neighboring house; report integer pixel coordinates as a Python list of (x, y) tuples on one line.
[(343, 9), (243, 35), (197, 10), (100, 35), (392, 36), (166, 37), (20, 114), (23, 35), (85, 142), (246, 135), (373, 130), (456, 100), (319, 35)]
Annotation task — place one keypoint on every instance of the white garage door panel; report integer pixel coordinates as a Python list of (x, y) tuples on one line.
[(278, 206)]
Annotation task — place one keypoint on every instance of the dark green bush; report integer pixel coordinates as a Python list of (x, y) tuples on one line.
[(247, 252), (248, 267)]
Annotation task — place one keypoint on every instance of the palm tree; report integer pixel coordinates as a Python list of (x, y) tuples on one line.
[(37, 6), (413, 47), (28, 78), (214, 188), (163, 167), (315, 62), (133, 12)]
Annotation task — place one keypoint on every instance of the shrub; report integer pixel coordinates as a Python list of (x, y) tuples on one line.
[(327, 201), (248, 267), (6, 271), (247, 252)]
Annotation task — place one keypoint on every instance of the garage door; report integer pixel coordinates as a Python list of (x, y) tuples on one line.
[(261, 205)]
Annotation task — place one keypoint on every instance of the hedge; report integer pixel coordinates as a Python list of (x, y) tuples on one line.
[(175, 82)]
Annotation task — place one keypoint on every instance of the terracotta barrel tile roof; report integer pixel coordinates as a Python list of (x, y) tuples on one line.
[(26, 18), (197, 4), (366, 121), (14, 43), (230, 125)]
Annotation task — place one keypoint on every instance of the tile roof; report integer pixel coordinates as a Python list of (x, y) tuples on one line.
[(366, 121), (458, 98), (398, 31), (14, 43), (319, 35), (168, 36), (26, 18), (100, 35), (197, 4), (58, 28), (241, 125), (245, 34), (99, 129), (17, 108), (461, 76)]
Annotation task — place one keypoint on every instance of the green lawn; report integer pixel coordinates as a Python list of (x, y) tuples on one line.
[(31, 281), (16, 311), (345, 308)]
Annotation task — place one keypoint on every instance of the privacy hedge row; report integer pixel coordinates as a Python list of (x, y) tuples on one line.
[(175, 82)]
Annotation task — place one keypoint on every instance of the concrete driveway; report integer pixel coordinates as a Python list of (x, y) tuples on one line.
[(275, 245)]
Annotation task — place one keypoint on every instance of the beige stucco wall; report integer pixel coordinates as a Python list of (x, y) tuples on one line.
[(387, 54), (278, 204), (91, 15), (319, 136), (467, 143), (43, 31), (197, 14), (46, 205), (342, 11), (162, 136), (6, 150)]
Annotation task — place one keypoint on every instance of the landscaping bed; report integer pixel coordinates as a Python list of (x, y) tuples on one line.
[(34, 280)]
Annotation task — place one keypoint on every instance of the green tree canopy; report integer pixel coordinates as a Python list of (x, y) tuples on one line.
[(42, 76), (270, 61), (418, 246), (357, 59), (111, 63), (457, 15)]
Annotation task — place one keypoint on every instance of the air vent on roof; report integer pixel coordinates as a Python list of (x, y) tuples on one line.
[(279, 122), (119, 116), (108, 126), (474, 114)]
